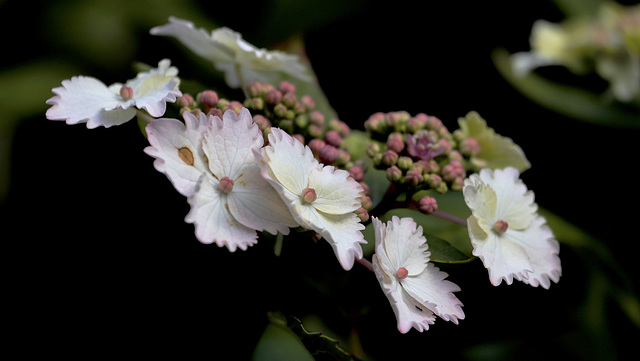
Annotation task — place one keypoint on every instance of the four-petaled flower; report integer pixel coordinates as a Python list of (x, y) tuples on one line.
[(416, 289), (241, 62), (507, 233), (210, 160), (86, 99), (321, 198)]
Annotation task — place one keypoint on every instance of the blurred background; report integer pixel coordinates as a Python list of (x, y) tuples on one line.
[(98, 259)]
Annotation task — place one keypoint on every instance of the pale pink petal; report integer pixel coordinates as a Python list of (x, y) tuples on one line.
[(86, 99)]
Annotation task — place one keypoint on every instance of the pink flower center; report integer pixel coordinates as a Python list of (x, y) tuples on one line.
[(309, 195), (402, 273), (226, 184), (501, 226), (126, 92)]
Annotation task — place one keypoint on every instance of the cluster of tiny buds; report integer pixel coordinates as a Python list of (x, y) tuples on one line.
[(207, 102), (418, 151)]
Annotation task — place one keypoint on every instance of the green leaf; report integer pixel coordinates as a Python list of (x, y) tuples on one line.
[(279, 343), (319, 346), (443, 252), (567, 100)]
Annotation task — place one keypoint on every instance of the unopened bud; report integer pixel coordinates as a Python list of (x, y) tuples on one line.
[(316, 118), (316, 145), (389, 158), (394, 174), (405, 163), (208, 99), (126, 92), (373, 149), (427, 205), (308, 195), (273, 97), (308, 103), (362, 214), (414, 178), (328, 154), (226, 184), (185, 101), (289, 99), (286, 87), (356, 173), (470, 147), (395, 142)]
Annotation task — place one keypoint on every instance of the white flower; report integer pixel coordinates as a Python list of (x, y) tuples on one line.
[(86, 99), (241, 62), (507, 233), (210, 160), (321, 198), (416, 289)]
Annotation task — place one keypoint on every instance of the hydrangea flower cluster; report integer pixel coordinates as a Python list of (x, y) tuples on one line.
[(273, 162)]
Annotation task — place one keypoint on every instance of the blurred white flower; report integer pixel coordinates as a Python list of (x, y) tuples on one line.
[(241, 62)]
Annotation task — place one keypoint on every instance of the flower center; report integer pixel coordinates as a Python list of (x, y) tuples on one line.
[(126, 92), (402, 273), (226, 184), (308, 195), (501, 226)]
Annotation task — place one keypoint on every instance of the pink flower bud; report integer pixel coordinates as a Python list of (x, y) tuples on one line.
[(226, 184), (427, 205), (414, 178), (356, 173), (308, 103), (208, 99), (395, 142), (394, 174), (316, 118), (470, 147), (501, 226), (402, 273), (389, 158), (126, 92), (362, 214), (308, 195), (273, 97), (328, 154), (289, 99), (332, 137), (316, 145), (286, 87), (185, 101)]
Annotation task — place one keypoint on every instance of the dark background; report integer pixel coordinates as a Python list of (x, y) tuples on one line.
[(98, 259)]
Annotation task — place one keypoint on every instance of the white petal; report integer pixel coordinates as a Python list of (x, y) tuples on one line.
[(337, 192), (433, 291), (290, 162), (85, 99), (152, 90), (254, 203), (405, 245), (169, 137), (503, 258), (197, 40), (409, 312), (343, 232), (542, 249), (229, 145), (515, 204), (213, 221)]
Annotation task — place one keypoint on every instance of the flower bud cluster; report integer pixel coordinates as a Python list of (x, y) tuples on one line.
[(207, 102), (418, 152)]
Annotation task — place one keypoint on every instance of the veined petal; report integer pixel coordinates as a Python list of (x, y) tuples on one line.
[(254, 203), (409, 312), (514, 203), (405, 245), (229, 145), (542, 249), (336, 192), (213, 221), (433, 291), (503, 258), (290, 162), (177, 148), (152, 89), (86, 99)]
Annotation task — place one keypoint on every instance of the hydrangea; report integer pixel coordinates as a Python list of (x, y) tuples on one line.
[(507, 233), (321, 198), (210, 160), (85, 99), (416, 289), (240, 61)]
